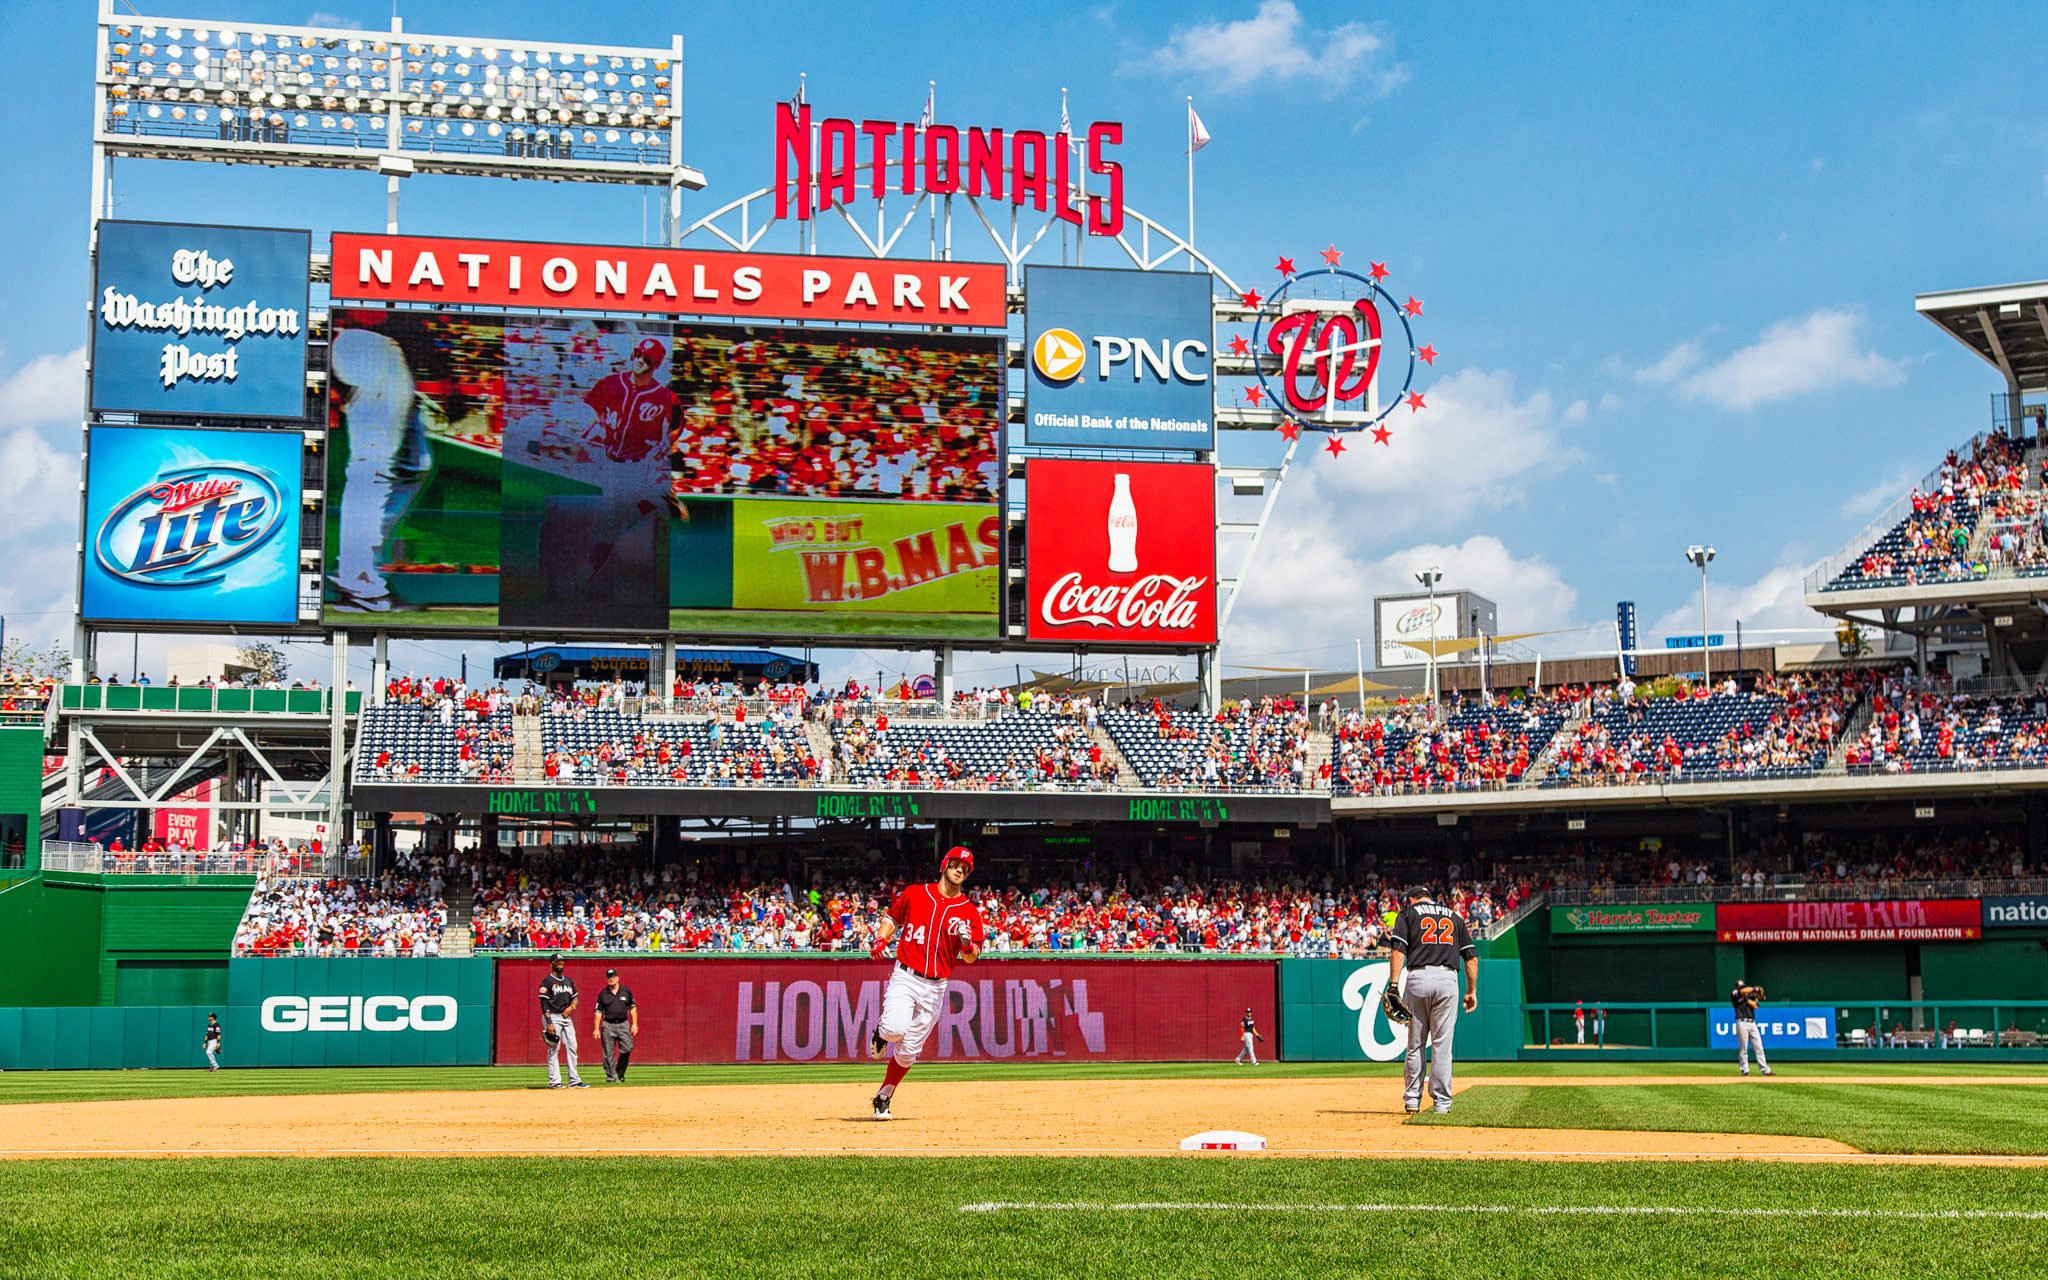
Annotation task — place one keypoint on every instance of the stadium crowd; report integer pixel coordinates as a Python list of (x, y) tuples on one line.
[(1927, 730), (1988, 482), (400, 913), (1785, 725)]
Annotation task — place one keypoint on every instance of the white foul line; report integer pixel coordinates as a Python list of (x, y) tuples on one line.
[(1004, 1206)]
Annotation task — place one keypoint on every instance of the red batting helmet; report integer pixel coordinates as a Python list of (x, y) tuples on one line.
[(958, 853), (651, 350)]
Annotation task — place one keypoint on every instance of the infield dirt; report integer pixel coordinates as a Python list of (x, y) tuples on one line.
[(1354, 1117)]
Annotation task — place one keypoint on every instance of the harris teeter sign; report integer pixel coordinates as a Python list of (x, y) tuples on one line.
[(1676, 917)]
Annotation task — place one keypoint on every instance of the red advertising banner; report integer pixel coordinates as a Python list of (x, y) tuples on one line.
[(1120, 551), (691, 282), (1849, 921), (787, 1010)]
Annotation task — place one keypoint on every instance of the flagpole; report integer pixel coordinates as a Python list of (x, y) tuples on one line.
[(1191, 182)]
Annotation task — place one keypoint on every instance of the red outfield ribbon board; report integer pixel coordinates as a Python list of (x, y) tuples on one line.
[(660, 281), (1849, 921), (792, 1010)]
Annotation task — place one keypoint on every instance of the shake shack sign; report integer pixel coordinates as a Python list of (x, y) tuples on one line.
[(1677, 917)]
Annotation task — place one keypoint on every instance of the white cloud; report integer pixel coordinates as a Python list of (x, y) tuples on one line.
[(1576, 411), (46, 389), (34, 482), (322, 18), (1473, 444), (1794, 357), (1610, 402), (1775, 602), (1310, 597), (1877, 495), (1270, 44), (1676, 363)]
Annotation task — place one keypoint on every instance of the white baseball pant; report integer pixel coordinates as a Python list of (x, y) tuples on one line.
[(1249, 1051), (378, 409), (1747, 1035), (910, 1009), (564, 1026)]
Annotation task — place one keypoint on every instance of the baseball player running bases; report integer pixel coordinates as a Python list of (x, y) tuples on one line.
[(934, 927)]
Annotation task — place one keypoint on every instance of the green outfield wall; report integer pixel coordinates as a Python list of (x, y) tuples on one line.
[(81, 940), (1330, 1012)]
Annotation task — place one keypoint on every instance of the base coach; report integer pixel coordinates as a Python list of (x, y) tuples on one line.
[(615, 1023)]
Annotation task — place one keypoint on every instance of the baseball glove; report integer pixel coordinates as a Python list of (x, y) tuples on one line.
[(550, 1039), (1396, 1008)]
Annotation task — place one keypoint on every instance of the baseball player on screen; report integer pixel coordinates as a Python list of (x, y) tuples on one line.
[(636, 424), (388, 458), (935, 927)]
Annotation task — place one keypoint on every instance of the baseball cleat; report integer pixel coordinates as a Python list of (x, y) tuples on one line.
[(881, 1107), (579, 1085), (1769, 1072), (876, 1045)]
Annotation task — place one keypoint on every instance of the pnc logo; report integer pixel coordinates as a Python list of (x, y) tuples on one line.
[(360, 1013), (1061, 355), (186, 527), (1058, 355)]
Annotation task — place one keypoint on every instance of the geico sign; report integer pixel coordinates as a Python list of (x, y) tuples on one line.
[(360, 1013)]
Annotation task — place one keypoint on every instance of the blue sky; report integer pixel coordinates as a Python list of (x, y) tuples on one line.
[(1669, 254)]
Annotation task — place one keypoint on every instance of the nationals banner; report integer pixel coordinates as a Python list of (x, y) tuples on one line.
[(1120, 552), (1848, 921), (803, 1010), (684, 282)]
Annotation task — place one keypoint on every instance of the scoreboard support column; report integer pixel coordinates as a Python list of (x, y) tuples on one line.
[(337, 740)]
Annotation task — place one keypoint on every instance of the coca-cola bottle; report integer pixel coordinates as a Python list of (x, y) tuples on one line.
[(1123, 528)]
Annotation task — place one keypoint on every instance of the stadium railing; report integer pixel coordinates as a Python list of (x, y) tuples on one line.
[(91, 859), (1625, 1026), (1867, 889), (204, 699)]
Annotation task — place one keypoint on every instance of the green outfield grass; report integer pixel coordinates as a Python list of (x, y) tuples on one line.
[(1945, 1119), (522, 1219), (95, 1086)]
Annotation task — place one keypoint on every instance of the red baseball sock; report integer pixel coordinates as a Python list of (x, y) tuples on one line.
[(893, 1077)]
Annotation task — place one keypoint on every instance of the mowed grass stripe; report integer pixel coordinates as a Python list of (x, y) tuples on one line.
[(517, 1219), (98, 1086), (1885, 1118)]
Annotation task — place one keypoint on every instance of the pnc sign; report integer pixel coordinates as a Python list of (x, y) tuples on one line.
[(1119, 359)]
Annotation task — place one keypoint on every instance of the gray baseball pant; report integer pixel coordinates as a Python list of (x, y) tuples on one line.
[(565, 1027), (1432, 996), (617, 1041), (1249, 1051), (1746, 1035)]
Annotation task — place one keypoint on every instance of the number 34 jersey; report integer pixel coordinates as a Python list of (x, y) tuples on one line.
[(925, 928), (1431, 934)]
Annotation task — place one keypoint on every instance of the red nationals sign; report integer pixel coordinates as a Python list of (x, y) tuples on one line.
[(784, 1010), (684, 282), (1849, 921), (1120, 552)]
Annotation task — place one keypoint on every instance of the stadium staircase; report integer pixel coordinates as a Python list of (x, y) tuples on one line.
[(456, 939), (1567, 733), (819, 735), (1318, 745), (1852, 729), (529, 759), (1126, 777)]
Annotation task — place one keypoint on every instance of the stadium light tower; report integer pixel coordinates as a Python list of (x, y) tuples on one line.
[(1429, 578), (1700, 554)]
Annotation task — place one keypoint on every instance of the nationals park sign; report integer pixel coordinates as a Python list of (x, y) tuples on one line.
[(694, 282)]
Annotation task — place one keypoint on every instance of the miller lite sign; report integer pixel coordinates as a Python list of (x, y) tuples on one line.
[(1120, 552), (192, 527)]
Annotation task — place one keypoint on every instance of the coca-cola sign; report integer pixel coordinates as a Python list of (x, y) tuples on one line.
[(1120, 552)]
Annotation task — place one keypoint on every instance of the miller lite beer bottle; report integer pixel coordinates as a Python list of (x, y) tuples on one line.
[(1123, 528)]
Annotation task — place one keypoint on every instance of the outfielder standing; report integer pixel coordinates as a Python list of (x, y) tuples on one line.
[(557, 1027), (1428, 941), (212, 1042), (1247, 1031), (936, 927), (636, 422), (1746, 998)]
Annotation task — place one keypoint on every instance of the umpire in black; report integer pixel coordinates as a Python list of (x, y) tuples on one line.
[(615, 1022), (1429, 941)]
